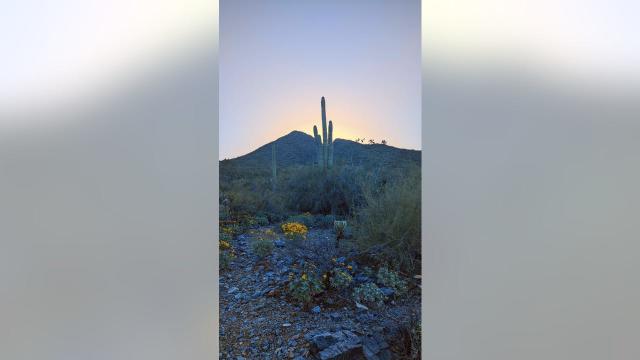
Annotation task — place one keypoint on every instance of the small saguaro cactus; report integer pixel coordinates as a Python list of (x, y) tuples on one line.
[(325, 143), (330, 146), (318, 142)]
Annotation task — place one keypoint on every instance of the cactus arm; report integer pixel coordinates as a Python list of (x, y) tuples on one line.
[(330, 150)]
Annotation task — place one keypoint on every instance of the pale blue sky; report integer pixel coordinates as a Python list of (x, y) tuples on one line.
[(277, 58)]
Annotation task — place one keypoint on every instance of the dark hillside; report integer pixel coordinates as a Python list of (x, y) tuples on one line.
[(297, 148)]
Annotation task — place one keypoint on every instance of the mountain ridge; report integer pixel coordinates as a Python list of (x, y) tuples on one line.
[(298, 148)]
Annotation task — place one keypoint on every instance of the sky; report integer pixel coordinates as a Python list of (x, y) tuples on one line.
[(278, 58)]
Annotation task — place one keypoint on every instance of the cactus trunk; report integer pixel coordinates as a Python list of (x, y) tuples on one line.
[(324, 133), (330, 146), (318, 143), (319, 150)]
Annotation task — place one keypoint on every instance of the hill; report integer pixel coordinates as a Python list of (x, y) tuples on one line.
[(298, 148)]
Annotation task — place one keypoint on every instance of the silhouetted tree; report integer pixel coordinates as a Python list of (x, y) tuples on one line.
[(371, 141), (384, 142)]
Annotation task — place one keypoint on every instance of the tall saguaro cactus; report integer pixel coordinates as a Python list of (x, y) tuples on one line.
[(273, 166), (324, 133), (324, 144)]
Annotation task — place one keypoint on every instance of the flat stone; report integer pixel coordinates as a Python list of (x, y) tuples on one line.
[(232, 290), (387, 291), (342, 351), (316, 310)]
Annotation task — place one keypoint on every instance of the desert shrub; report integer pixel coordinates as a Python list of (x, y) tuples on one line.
[(389, 221), (306, 219), (294, 230), (225, 236), (304, 288), (367, 271), (262, 220), (313, 190), (262, 247), (391, 279), (224, 245), (369, 294), (325, 221), (340, 279), (226, 257)]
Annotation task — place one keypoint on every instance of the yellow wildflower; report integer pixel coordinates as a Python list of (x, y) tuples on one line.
[(304, 276)]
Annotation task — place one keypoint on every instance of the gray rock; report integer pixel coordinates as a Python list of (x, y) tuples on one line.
[(387, 291), (342, 351), (326, 339), (316, 310), (361, 278), (279, 243), (232, 290)]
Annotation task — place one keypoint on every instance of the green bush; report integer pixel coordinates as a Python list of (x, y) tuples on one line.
[(304, 288), (262, 247), (325, 221), (262, 220), (225, 236), (340, 279), (226, 257), (390, 222), (390, 279), (369, 294), (305, 219)]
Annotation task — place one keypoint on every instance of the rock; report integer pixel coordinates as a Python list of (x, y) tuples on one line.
[(361, 278), (316, 310), (232, 290), (279, 243), (374, 344), (326, 339), (361, 307), (388, 292), (342, 351), (335, 316), (341, 260), (286, 325)]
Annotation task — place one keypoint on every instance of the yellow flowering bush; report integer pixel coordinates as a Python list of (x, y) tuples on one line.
[(294, 230), (304, 288), (340, 279), (224, 245)]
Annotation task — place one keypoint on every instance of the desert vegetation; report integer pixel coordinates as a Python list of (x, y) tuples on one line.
[(328, 241)]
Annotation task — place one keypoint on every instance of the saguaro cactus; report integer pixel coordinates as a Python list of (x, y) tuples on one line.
[(318, 142), (324, 144), (330, 146), (324, 132), (273, 166)]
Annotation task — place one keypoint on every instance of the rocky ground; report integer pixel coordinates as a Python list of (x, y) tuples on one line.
[(259, 321)]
